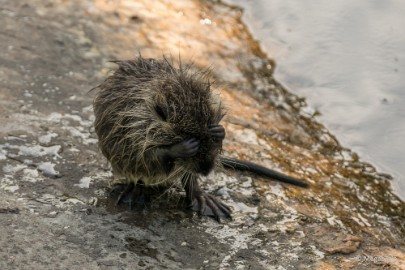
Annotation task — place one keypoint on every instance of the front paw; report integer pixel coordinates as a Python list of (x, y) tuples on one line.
[(185, 149), (217, 132)]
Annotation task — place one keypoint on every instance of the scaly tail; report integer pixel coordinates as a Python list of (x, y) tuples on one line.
[(242, 165)]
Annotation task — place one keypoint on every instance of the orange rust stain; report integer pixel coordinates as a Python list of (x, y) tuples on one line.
[(325, 266)]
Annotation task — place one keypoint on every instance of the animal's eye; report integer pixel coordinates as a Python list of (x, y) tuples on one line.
[(161, 113)]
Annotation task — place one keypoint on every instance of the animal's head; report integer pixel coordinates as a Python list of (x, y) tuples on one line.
[(186, 107)]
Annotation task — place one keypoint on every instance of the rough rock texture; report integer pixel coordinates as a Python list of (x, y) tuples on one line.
[(54, 208)]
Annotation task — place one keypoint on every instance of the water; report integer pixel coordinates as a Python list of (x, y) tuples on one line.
[(347, 58)]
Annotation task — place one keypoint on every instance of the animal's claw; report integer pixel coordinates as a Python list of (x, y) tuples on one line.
[(185, 149), (208, 205), (217, 132)]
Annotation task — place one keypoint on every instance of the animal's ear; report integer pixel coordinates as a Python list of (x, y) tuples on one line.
[(161, 112)]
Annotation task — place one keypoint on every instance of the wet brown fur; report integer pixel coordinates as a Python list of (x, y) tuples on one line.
[(147, 104)]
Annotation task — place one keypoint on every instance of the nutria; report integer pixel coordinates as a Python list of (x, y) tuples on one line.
[(157, 123)]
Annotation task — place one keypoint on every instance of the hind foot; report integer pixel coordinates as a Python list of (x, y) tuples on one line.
[(208, 205), (131, 194), (204, 203)]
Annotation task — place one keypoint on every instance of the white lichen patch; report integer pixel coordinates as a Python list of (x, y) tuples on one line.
[(358, 221), (73, 150), (317, 252), (84, 182), (8, 168), (31, 175), (49, 199), (100, 192), (221, 179), (246, 136), (45, 139), (383, 219), (237, 238), (243, 208), (58, 117), (37, 150), (52, 214), (361, 220), (224, 192), (60, 202), (310, 170), (8, 184), (75, 125), (333, 221), (80, 132), (47, 168), (74, 201), (92, 201), (277, 190), (247, 183), (88, 109), (289, 222), (102, 175), (364, 220), (21, 138), (3, 153)]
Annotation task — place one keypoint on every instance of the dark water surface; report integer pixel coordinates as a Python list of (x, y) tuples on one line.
[(348, 59)]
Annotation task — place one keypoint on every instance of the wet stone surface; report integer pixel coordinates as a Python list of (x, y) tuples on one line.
[(55, 212)]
